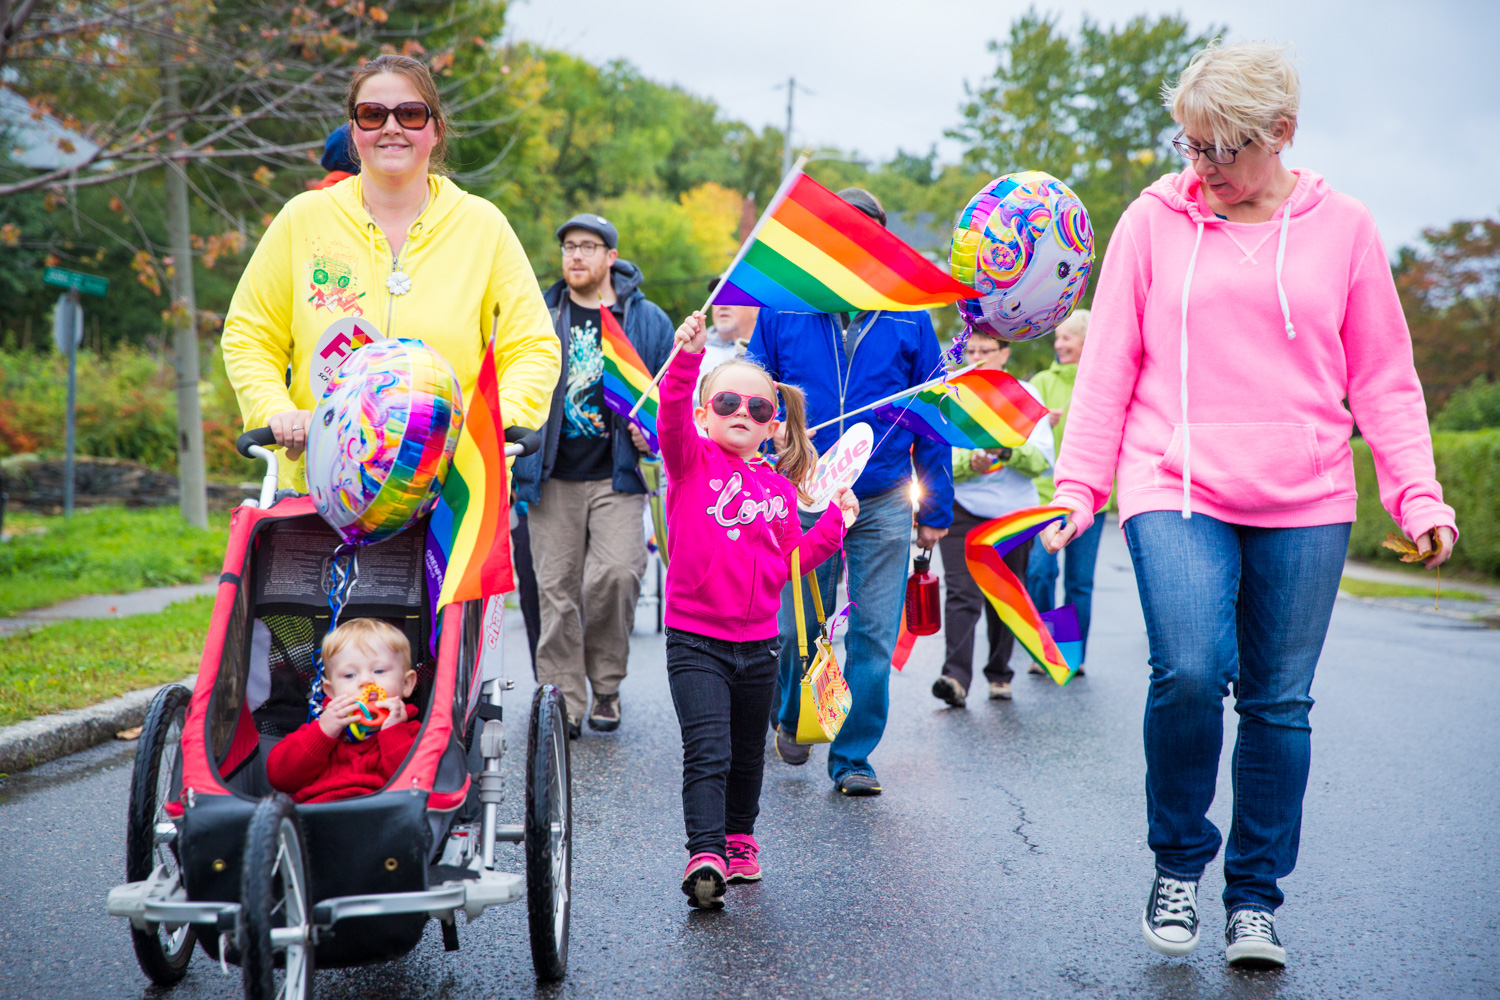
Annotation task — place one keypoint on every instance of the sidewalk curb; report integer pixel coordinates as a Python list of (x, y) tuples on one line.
[(48, 737)]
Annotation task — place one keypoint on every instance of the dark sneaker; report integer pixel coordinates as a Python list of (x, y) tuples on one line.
[(606, 714), (574, 730), (703, 882), (1250, 940), (859, 783), (949, 690), (789, 750), (1170, 923)]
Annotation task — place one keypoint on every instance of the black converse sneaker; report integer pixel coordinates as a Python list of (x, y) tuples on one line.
[(1170, 923), (1250, 940)]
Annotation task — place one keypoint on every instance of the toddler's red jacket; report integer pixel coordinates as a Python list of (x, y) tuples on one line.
[(310, 767)]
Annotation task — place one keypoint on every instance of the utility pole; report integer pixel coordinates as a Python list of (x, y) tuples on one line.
[(786, 139), (190, 471)]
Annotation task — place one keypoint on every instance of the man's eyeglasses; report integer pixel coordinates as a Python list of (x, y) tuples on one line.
[(371, 117), (1223, 157), (584, 250)]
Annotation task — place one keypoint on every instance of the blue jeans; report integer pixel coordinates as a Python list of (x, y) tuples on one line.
[(879, 549), (1248, 608), (1078, 576)]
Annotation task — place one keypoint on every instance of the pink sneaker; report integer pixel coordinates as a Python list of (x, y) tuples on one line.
[(741, 849), (704, 881)]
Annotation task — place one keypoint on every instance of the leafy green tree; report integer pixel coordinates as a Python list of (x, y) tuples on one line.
[(1087, 109), (1450, 291)]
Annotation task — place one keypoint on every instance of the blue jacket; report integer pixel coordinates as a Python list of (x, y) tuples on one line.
[(896, 351), (649, 331)]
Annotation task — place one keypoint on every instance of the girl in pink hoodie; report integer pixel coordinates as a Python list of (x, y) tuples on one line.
[(1245, 318), (731, 529)]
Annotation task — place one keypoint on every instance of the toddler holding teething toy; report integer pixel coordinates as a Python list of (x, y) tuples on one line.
[(362, 736)]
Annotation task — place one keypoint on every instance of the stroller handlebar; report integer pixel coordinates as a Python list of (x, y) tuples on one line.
[(521, 441), (263, 436)]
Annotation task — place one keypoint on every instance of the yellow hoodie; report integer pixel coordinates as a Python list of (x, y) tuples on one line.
[(324, 260)]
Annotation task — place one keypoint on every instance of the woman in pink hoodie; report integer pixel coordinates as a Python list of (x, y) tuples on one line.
[(1240, 304), (732, 527)]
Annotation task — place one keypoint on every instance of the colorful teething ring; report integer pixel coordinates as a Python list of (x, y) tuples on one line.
[(374, 715)]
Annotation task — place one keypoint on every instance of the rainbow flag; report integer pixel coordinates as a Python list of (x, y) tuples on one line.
[(1048, 637), (468, 537), (976, 409), (814, 252), (626, 378)]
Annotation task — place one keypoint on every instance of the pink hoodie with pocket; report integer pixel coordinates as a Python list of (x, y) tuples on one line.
[(1219, 357), (731, 526)]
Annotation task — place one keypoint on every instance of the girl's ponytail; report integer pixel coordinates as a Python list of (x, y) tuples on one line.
[(797, 460)]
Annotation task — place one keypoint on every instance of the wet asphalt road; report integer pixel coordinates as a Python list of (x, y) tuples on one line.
[(1006, 857)]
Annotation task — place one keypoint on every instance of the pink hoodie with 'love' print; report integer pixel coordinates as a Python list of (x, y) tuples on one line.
[(731, 526), (1219, 357)]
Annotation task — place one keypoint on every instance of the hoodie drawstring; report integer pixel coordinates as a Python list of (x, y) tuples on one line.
[(1286, 309), (1187, 443)]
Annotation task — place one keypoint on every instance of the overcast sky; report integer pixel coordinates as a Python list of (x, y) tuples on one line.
[(1400, 107)]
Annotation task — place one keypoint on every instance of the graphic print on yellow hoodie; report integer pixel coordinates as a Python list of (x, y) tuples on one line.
[(324, 259)]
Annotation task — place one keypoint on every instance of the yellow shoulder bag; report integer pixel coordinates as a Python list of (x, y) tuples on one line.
[(825, 694)]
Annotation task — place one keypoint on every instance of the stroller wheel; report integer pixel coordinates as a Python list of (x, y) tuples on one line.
[(549, 834), (275, 911), (162, 950)]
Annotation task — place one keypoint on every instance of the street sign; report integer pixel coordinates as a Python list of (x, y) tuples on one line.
[(67, 324), (88, 284)]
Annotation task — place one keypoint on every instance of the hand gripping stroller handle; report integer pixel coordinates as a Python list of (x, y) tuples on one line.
[(263, 436), (521, 441)]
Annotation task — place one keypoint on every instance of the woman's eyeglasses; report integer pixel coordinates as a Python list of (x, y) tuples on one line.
[(726, 404), (1223, 157), (371, 117)]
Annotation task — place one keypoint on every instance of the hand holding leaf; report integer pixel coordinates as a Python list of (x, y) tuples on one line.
[(1408, 552)]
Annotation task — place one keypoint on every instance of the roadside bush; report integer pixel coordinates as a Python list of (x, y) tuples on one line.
[(1472, 408), (1468, 466), (127, 407)]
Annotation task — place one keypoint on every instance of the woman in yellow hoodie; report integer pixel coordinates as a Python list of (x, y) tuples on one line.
[(398, 250)]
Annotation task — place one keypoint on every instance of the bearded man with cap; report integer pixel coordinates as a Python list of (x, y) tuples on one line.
[(842, 362), (584, 492)]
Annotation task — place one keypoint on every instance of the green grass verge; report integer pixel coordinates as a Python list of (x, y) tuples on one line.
[(79, 663), (106, 550), (1376, 588)]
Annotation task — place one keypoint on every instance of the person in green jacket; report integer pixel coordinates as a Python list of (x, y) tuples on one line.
[(1056, 388)]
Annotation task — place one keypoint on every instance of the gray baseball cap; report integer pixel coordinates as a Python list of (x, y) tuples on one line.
[(596, 224)]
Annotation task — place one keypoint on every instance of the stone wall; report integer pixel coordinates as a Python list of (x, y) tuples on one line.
[(36, 484)]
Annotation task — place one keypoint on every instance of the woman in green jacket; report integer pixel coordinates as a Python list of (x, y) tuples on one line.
[(1056, 386)]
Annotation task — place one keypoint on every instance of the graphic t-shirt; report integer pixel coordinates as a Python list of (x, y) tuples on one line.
[(584, 450)]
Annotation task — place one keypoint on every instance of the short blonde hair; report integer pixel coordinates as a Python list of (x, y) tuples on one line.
[(369, 634), (1077, 324), (1233, 94)]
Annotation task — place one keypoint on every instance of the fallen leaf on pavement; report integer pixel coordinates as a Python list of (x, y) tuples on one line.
[(133, 733)]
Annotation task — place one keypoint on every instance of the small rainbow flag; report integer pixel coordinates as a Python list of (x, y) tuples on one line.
[(626, 378), (468, 538), (1053, 639), (982, 408), (814, 252)]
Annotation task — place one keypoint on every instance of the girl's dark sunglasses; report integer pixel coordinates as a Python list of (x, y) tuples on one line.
[(371, 117), (726, 404)]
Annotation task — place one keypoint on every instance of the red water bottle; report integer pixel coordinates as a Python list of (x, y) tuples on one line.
[(924, 610)]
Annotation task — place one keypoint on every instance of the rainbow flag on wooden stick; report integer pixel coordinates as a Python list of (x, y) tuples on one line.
[(1053, 638), (468, 537), (626, 379), (974, 409), (812, 251)]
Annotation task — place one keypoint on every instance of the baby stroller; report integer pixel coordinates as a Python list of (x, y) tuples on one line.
[(214, 856)]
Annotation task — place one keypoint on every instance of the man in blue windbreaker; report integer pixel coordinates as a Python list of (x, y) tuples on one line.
[(843, 362)]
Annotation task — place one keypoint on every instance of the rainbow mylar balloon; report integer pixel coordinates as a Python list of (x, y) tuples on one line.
[(382, 439), (1024, 241)]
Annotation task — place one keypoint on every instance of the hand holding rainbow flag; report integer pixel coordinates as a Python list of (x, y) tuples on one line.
[(814, 252), (1052, 638)]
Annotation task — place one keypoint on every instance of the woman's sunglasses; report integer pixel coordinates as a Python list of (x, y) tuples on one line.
[(726, 404), (371, 117)]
